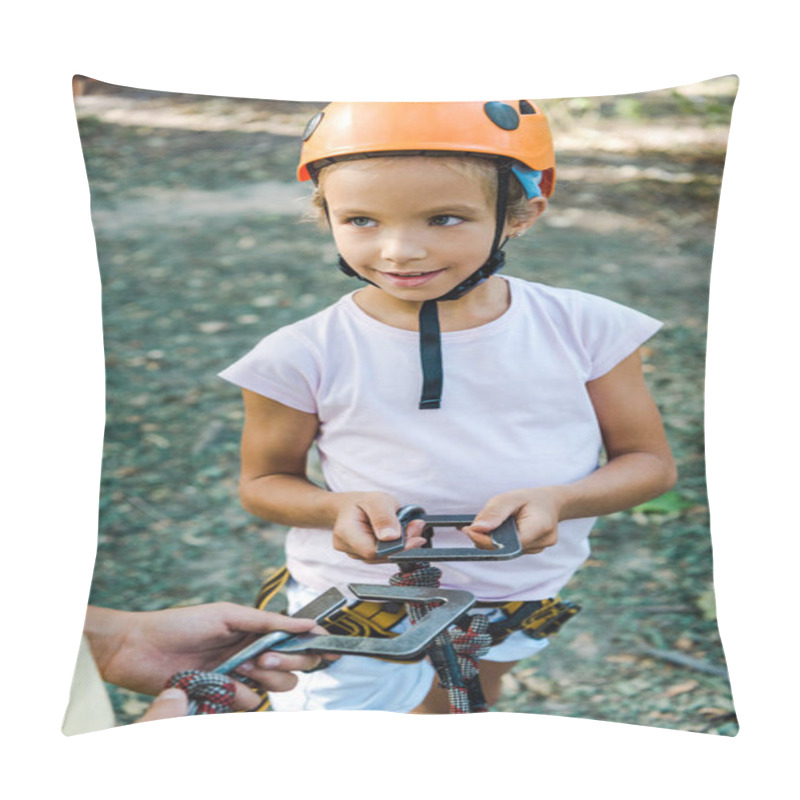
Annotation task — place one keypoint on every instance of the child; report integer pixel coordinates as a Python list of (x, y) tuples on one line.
[(440, 383)]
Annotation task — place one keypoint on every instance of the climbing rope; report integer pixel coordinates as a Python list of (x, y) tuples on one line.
[(470, 645), (454, 655), (210, 692)]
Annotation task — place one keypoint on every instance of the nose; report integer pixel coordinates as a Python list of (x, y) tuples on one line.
[(402, 246)]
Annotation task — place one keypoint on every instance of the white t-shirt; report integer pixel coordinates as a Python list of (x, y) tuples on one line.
[(515, 413)]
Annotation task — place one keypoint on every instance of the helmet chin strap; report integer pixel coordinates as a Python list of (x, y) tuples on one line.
[(430, 340)]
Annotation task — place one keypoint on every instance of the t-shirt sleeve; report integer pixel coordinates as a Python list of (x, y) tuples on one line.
[(283, 367), (610, 332)]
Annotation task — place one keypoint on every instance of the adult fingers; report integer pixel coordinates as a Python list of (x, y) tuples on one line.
[(269, 680), (253, 620), (287, 662), (172, 702), (244, 698)]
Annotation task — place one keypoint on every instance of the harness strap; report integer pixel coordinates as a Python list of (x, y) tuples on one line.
[(536, 618), (271, 587), (268, 594), (366, 618)]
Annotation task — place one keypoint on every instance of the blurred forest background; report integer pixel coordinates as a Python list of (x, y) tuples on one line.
[(203, 250)]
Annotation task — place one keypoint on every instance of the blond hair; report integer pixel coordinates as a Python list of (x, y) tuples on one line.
[(479, 168)]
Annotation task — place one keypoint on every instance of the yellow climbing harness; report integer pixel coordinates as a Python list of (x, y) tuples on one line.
[(535, 618)]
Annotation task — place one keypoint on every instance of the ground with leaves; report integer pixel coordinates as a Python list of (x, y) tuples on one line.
[(203, 250)]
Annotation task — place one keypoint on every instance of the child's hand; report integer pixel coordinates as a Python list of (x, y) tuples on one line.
[(366, 517), (536, 512)]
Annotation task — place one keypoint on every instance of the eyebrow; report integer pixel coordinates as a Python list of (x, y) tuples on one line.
[(455, 209)]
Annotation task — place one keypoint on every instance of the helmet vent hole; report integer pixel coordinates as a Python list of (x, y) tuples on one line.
[(526, 108), (313, 124), (503, 115)]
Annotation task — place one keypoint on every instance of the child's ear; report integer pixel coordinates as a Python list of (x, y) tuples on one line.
[(536, 207)]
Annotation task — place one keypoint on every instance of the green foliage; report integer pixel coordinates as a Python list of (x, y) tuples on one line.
[(629, 108), (667, 503)]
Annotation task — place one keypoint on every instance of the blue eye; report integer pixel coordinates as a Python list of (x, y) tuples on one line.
[(361, 222)]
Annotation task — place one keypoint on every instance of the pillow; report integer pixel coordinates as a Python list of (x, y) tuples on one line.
[(203, 249)]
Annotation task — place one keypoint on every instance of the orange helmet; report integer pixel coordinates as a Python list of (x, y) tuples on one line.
[(517, 130)]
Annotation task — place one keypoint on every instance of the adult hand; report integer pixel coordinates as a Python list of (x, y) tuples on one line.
[(536, 512), (366, 517), (142, 650)]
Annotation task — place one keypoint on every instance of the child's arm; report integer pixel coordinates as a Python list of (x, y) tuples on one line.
[(639, 466), (274, 485)]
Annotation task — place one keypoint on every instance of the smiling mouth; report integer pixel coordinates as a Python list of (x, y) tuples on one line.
[(411, 274)]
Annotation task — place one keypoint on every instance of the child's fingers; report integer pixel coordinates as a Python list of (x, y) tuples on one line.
[(539, 539), (415, 528), (373, 517), (413, 544), (384, 523), (492, 515), (414, 537), (352, 534), (482, 541)]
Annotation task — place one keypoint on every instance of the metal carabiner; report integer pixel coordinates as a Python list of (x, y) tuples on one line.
[(505, 539), (406, 645)]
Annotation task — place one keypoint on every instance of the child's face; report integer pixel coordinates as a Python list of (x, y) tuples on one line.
[(415, 226)]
